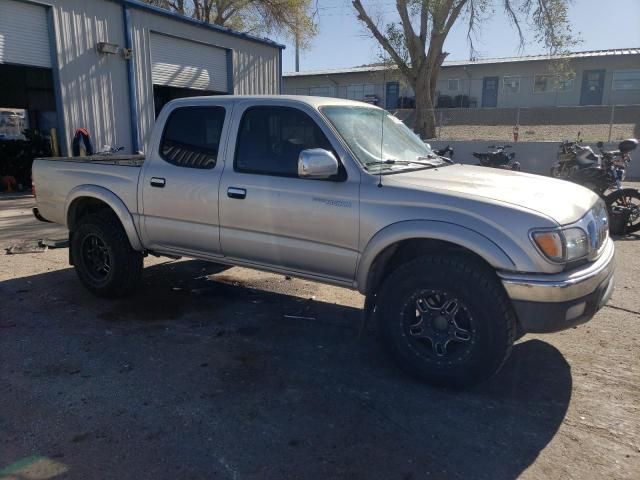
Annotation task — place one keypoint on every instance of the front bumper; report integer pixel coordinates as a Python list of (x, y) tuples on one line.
[(549, 303)]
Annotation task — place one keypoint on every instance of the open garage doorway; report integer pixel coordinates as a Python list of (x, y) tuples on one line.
[(27, 101), (163, 95)]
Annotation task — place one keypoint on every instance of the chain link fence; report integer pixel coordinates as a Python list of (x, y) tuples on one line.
[(608, 123)]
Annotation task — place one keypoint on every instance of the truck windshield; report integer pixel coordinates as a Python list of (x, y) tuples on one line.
[(379, 140)]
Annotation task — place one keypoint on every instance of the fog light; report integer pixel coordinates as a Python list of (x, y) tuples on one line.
[(575, 311)]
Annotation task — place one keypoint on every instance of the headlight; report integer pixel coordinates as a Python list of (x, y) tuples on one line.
[(581, 239), (563, 245), (576, 243)]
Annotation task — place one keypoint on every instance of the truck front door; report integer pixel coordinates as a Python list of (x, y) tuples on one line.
[(271, 217), (180, 181)]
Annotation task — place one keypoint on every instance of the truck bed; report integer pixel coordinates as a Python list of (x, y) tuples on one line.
[(55, 179)]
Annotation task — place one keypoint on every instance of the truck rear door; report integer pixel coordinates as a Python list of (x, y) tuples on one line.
[(269, 216), (181, 178)]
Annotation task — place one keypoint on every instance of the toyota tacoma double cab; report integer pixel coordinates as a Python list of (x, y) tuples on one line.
[(455, 261)]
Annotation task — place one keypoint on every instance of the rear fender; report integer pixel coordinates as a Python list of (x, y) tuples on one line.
[(113, 201)]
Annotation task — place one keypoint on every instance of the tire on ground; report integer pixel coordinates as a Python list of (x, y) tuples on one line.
[(125, 264), (488, 316)]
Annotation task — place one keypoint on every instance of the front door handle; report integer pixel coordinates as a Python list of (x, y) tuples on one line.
[(234, 192), (158, 182)]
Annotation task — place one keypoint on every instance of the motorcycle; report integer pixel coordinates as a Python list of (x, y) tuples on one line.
[(573, 156), (445, 152), (498, 158), (606, 174)]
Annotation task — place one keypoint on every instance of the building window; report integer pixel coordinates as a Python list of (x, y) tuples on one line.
[(511, 85), (358, 92), (191, 137), (552, 83), (302, 91), (453, 84), (626, 80), (542, 83), (322, 91), (564, 84)]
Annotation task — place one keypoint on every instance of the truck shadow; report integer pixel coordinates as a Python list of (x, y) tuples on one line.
[(282, 384)]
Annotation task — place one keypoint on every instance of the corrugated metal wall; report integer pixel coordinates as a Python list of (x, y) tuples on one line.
[(94, 86), (255, 65)]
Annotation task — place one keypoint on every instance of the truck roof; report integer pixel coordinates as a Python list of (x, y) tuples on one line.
[(268, 99)]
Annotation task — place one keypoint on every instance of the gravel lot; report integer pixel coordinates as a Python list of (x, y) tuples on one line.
[(242, 374), (539, 133)]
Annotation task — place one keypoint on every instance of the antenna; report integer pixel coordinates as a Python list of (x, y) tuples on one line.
[(384, 85)]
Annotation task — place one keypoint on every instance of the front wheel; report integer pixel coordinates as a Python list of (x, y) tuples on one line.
[(447, 320), (103, 258), (626, 203)]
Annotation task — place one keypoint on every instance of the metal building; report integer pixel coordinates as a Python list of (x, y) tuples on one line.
[(110, 65), (600, 77)]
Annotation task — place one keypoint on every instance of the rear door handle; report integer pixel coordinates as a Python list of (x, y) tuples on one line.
[(158, 182), (233, 192)]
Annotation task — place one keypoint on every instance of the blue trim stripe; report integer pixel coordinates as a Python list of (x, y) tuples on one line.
[(176, 16), (57, 89), (131, 84), (280, 74)]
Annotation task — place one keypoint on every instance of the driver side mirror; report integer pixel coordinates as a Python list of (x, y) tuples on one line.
[(317, 163), (599, 144)]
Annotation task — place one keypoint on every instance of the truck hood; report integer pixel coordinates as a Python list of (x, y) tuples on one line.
[(563, 201)]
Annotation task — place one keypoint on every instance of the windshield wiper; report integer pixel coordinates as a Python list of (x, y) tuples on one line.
[(444, 160), (389, 161)]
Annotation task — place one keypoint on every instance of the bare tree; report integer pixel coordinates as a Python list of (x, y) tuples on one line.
[(415, 43)]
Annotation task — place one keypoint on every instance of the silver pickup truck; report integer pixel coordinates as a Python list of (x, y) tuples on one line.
[(455, 261)]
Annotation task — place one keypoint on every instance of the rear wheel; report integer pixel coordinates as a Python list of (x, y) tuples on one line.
[(103, 258), (627, 201), (446, 320)]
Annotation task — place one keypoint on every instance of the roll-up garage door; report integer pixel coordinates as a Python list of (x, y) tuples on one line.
[(185, 64), (24, 34)]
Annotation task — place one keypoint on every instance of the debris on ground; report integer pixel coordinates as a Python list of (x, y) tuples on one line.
[(37, 246), (26, 247)]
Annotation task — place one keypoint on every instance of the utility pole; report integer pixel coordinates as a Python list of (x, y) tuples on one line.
[(297, 51), (297, 34)]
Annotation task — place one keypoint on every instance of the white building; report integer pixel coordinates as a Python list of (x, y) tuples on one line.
[(110, 65)]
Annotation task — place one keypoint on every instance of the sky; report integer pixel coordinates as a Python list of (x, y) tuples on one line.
[(342, 41)]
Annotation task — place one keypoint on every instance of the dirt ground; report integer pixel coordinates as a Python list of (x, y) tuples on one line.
[(241, 374)]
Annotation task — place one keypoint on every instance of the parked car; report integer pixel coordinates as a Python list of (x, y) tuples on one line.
[(455, 261)]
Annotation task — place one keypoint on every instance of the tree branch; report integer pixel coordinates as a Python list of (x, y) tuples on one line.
[(424, 20), (513, 18), (412, 41), (384, 42)]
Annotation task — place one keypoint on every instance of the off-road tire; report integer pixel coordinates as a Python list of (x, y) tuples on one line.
[(125, 263), (478, 288)]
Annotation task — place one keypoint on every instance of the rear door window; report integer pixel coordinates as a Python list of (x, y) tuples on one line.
[(191, 138)]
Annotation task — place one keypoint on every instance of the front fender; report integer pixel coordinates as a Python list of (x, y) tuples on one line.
[(431, 230), (113, 201)]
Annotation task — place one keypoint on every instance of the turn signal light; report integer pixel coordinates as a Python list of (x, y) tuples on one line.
[(550, 243)]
